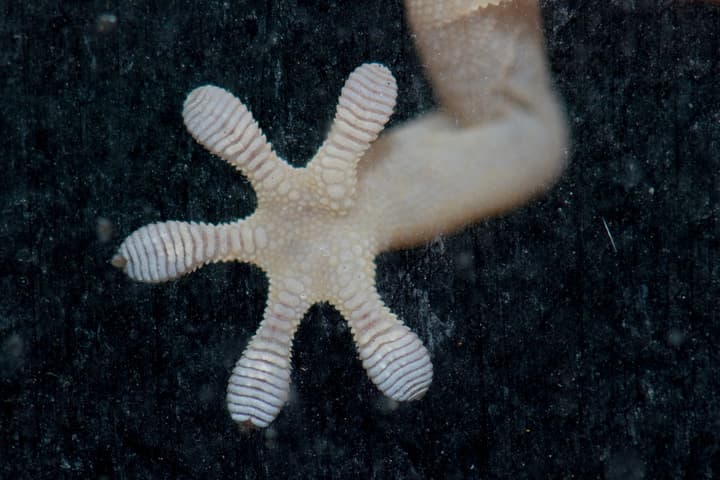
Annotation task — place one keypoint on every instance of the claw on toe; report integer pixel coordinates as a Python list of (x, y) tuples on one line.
[(118, 261)]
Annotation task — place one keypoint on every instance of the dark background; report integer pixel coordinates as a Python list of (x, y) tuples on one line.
[(559, 352)]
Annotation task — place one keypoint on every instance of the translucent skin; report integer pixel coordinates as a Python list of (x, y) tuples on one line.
[(499, 138)]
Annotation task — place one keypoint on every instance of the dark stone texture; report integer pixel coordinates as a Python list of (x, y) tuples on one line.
[(559, 352)]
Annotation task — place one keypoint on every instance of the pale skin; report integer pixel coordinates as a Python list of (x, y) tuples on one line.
[(499, 139)]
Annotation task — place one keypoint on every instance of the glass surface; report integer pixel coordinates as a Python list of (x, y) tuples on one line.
[(574, 337)]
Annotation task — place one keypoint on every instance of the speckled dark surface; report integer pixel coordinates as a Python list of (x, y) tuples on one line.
[(557, 354)]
